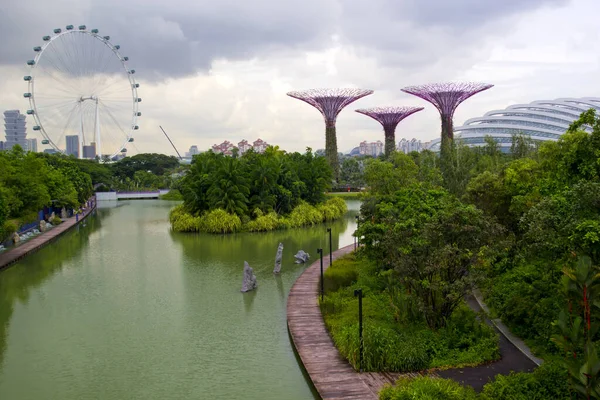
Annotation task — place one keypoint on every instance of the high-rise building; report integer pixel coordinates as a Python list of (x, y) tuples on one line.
[(1, 145), (72, 145), (372, 149), (260, 145), (89, 151), (194, 150), (406, 146), (15, 129), (244, 146), (32, 145)]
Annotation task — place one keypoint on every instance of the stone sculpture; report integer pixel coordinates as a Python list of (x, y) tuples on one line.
[(278, 257), (16, 238), (249, 283), (301, 257), (63, 213), (43, 226)]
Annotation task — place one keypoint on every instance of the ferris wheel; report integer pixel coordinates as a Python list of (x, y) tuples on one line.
[(82, 95)]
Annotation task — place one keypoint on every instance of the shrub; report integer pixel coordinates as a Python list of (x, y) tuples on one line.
[(8, 228), (426, 388), (186, 223), (173, 194), (384, 348), (263, 223), (304, 214), (56, 221), (341, 274), (549, 381), (220, 221)]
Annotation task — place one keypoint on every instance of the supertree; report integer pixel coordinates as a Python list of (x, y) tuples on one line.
[(446, 97), (330, 102), (389, 117)]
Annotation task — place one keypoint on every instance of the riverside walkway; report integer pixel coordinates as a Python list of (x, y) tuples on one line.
[(331, 374), (13, 255), (335, 378)]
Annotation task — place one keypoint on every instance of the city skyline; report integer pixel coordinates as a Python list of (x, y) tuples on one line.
[(246, 74)]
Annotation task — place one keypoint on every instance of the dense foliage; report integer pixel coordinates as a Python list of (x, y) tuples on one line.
[(425, 388), (31, 181), (396, 335), (264, 191)]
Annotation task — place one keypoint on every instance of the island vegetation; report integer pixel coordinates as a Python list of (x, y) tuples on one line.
[(522, 227), (255, 192)]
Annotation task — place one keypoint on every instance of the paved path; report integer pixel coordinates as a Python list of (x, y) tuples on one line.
[(13, 255), (335, 378)]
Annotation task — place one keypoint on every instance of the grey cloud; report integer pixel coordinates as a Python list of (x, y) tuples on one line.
[(179, 37)]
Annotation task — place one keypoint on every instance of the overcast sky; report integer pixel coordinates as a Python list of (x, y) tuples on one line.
[(216, 70)]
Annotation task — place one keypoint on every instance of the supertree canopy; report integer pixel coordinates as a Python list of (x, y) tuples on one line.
[(389, 117), (446, 97), (330, 102)]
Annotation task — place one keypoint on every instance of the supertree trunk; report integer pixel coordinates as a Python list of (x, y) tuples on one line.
[(390, 140), (331, 151), (447, 128)]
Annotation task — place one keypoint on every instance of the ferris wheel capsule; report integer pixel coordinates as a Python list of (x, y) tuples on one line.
[(98, 100)]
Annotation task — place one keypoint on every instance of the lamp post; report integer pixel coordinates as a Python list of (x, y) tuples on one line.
[(357, 226), (359, 293), (320, 251), (330, 249)]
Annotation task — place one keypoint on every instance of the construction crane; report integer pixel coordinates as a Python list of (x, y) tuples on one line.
[(161, 128)]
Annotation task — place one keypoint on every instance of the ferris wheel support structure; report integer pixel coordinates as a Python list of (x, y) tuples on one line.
[(66, 65)]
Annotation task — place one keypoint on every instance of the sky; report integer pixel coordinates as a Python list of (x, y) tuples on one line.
[(220, 70)]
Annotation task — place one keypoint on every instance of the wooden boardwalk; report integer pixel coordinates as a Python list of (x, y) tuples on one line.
[(13, 255), (332, 375)]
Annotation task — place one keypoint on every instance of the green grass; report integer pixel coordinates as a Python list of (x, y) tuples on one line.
[(346, 195), (395, 336)]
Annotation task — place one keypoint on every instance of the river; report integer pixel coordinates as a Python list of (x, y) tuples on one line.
[(123, 308)]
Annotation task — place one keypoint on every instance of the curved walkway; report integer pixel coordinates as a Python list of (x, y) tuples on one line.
[(331, 374), (335, 378), (13, 255)]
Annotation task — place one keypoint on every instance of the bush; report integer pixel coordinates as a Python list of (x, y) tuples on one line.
[(219, 221), (549, 381), (186, 223), (8, 228), (263, 223), (173, 194), (102, 188), (304, 214), (426, 388), (56, 221), (341, 274)]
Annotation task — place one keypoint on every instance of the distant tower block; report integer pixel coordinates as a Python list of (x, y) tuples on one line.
[(446, 97), (389, 117), (330, 102)]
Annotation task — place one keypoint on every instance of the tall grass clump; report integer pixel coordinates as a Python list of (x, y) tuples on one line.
[(220, 221), (263, 223), (428, 389)]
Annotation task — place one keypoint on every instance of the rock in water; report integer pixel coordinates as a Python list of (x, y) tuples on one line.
[(301, 257), (278, 257), (249, 282)]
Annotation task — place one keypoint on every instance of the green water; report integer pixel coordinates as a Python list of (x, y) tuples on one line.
[(122, 308)]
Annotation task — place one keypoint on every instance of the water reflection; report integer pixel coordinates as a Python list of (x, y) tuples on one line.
[(17, 281), (136, 311)]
